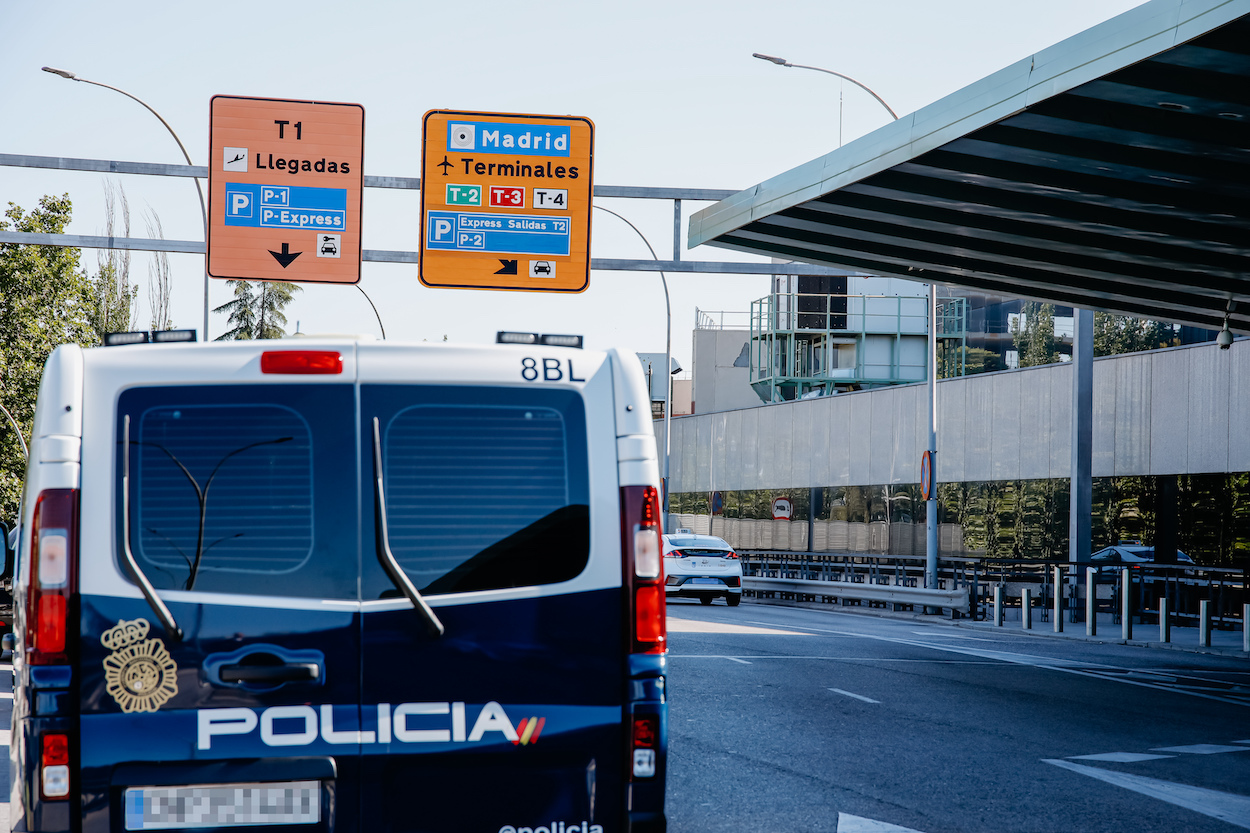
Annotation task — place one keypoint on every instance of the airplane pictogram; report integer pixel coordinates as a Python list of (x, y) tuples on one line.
[(445, 165)]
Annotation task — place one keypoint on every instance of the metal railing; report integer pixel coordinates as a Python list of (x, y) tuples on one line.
[(973, 584)]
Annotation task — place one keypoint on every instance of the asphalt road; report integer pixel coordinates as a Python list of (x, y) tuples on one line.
[(801, 719)]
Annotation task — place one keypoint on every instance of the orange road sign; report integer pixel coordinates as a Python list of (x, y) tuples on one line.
[(284, 188), (505, 201)]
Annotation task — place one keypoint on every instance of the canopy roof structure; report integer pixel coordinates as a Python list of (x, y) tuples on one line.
[(1110, 171)]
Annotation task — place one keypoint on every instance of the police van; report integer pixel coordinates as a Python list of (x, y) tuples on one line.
[(339, 585)]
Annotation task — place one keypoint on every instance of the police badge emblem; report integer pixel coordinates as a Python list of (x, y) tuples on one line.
[(140, 674)]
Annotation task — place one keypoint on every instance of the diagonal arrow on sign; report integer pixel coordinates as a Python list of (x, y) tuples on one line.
[(508, 268), (285, 256)]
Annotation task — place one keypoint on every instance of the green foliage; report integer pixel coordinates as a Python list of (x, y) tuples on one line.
[(256, 309), (1115, 334), (974, 360), (45, 301), (1034, 339)]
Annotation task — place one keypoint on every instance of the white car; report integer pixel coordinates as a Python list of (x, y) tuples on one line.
[(701, 567)]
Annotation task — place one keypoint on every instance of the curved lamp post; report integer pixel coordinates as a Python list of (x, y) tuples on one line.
[(931, 530), (668, 361), (203, 211), (782, 62)]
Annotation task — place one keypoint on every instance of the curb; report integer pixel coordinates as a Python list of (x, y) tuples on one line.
[(1215, 650)]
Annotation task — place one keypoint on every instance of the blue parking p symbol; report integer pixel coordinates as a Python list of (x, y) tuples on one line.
[(238, 204)]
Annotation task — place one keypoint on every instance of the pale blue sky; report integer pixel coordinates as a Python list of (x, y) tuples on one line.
[(675, 95)]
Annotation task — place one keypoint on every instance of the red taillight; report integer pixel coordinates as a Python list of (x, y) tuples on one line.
[(643, 566), (55, 750), (54, 556), (731, 555), (677, 554), (646, 731), (301, 361), (50, 624), (54, 766)]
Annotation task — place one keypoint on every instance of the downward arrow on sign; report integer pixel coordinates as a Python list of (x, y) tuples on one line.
[(286, 256)]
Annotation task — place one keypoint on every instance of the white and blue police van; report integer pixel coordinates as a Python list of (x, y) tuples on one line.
[(327, 584)]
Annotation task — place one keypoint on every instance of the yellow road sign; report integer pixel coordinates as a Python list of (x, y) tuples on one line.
[(284, 188), (505, 201)]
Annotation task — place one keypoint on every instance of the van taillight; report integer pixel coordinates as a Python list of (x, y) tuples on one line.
[(643, 565), (54, 766), (301, 362), (53, 561), (646, 737)]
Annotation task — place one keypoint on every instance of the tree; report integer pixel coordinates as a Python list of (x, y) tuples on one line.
[(113, 297), (1115, 334), (159, 284), (45, 300), (256, 309), (1033, 334)]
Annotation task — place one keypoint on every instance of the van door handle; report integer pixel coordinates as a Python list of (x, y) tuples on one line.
[(292, 672)]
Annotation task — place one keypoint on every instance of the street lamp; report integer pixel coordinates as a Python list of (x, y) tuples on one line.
[(203, 211), (784, 63), (668, 362), (931, 530)]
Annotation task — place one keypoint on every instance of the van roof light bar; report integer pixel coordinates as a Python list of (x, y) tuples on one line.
[(167, 336), (146, 337), (516, 338), (118, 339), (553, 340)]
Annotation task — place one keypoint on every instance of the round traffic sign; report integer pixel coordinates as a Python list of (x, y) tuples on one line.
[(926, 475)]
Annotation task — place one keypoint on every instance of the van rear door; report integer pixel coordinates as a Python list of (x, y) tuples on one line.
[(501, 505), (241, 507)]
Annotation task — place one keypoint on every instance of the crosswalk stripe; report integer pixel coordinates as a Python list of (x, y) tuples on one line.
[(858, 824), (1228, 807)]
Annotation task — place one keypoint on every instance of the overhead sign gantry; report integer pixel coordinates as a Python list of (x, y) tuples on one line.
[(505, 201), (284, 190)]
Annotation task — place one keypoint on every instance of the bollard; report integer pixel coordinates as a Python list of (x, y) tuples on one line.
[(1204, 623), (1058, 611), (1026, 609), (1245, 628), (1126, 605), (998, 605), (1165, 626), (1091, 601)]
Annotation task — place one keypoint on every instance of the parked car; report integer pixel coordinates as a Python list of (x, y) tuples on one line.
[(701, 567), (1131, 555)]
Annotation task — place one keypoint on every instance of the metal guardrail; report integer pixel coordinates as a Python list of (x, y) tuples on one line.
[(971, 581), (957, 599), (857, 577)]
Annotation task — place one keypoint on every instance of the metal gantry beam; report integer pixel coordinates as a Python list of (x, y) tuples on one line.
[(109, 166)]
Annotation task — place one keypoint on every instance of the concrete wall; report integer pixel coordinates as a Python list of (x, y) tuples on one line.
[(1185, 410), (719, 384)]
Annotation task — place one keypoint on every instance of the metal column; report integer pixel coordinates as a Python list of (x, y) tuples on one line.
[(1080, 507)]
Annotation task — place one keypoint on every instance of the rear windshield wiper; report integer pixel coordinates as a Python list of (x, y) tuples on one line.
[(145, 586), (389, 563)]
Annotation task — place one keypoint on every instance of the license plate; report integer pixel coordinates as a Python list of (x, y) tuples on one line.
[(706, 581), (223, 805)]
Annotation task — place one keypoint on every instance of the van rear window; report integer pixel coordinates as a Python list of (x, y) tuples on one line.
[(486, 488), (244, 489)]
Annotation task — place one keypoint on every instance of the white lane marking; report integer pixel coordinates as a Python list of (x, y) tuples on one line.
[(858, 824), (4, 737), (1083, 669), (676, 625), (1202, 749), (856, 696), (735, 659), (1119, 757), (1229, 807), (6, 695), (955, 636)]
